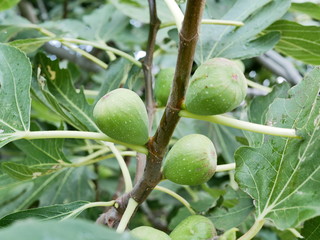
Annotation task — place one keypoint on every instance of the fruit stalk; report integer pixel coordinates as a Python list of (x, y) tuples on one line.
[(159, 142)]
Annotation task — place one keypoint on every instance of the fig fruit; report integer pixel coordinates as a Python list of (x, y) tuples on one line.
[(195, 227), (163, 85), (240, 65), (149, 233), (191, 161), (121, 115), (216, 87)]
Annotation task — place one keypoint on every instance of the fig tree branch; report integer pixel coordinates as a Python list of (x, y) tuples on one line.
[(147, 71), (158, 143), (280, 66), (148, 60)]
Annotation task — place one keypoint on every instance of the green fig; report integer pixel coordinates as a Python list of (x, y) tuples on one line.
[(149, 233), (163, 85), (121, 115), (216, 87), (240, 65), (191, 161), (195, 227)]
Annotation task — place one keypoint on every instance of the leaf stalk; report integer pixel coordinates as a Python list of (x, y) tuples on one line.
[(248, 126)]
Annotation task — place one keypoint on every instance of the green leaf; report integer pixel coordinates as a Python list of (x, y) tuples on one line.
[(17, 195), (6, 4), (8, 31), (258, 109), (15, 80), (56, 212), (242, 42), (106, 22), (53, 230), (139, 10), (29, 45), (116, 74), (23, 172), (283, 173), (43, 157), (71, 185), (69, 27), (61, 91), (234, 211), (311, 229), (312, 9), (64, 186), (298, 41)]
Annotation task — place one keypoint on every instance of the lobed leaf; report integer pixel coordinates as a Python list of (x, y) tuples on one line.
[(60, 91), (59, 187), (311, 229), (56, 212), (242, 42), (15, 81), (52, 230), (283, 175), (310, 8), (298, 41)]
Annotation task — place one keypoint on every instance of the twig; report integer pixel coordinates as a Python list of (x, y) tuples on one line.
[(280, 66), (147, 70), (43, 11), (65, 9), (27, 10), (79, 60), (147, 63), (158, 143)]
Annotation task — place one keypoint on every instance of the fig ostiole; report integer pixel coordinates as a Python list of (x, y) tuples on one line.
[(217, 86), (195, 227), (162, 86), (122, 115), (191, 161), (149, 233)]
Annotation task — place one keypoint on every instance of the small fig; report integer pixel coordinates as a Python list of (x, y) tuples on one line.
[(191, 161), (121, 115), (240, 65), (216, 87), (162, 86), (149, 233), (195, 227)]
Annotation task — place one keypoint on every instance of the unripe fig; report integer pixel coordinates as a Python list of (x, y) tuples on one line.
[(191, 161), (240, 65), (162, 86), (149, 233), (121, 115), (216, 87), (195, 227)]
